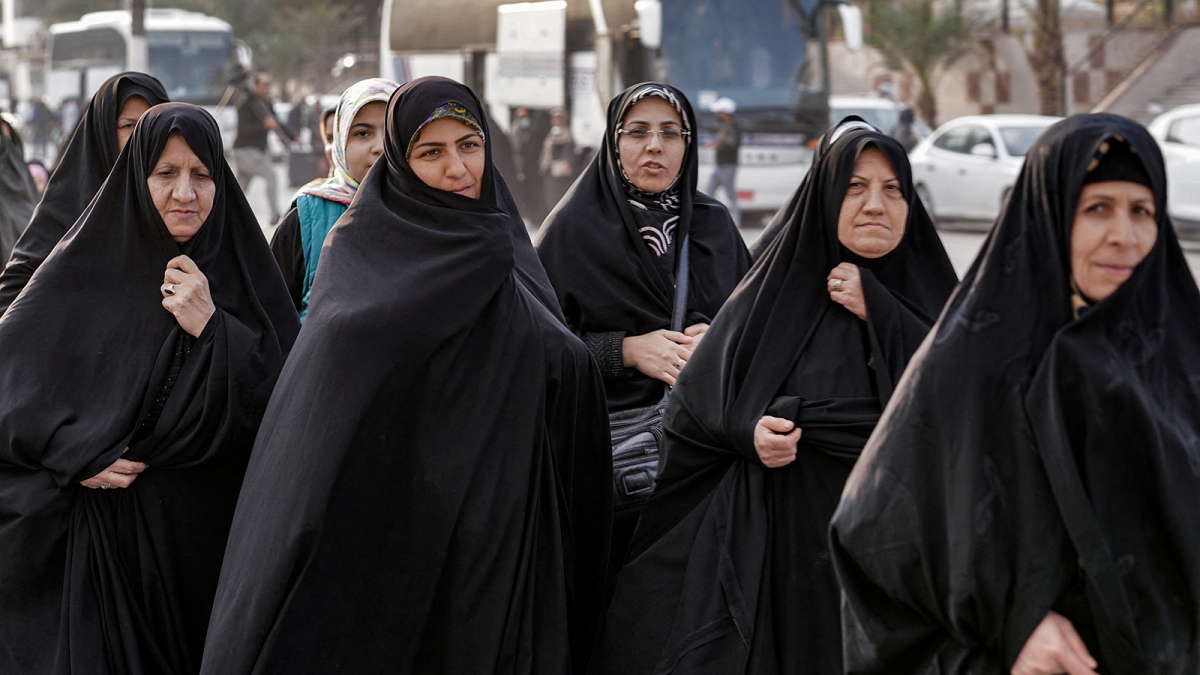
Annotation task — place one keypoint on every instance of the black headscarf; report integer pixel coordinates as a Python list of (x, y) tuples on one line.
[(1027, 454), (82, 168), (430, 488), (606, 276), (701, 561), (18, 193), (121, 581)]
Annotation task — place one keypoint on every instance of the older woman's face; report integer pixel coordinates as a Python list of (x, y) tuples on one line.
[(1114, 230), (652, 160), (127, 119), (450, 156), (182, 189), (874, 212)]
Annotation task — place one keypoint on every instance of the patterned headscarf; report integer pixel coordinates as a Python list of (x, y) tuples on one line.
[(658, 231), (667, 200), (452, 110), (341, 186)]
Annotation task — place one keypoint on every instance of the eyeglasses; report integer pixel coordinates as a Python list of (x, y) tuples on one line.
[(668, 135)]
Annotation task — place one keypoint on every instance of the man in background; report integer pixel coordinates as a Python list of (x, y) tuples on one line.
[(728, 144), (256, 118)]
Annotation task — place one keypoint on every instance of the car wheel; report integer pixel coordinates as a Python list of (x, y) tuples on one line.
[(923, 195)]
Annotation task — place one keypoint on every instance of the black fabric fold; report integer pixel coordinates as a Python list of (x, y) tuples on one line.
[(430, 489), (18, 194), (1025, 448), (121, 581), (720, 526), (83, 166), (605, 276)]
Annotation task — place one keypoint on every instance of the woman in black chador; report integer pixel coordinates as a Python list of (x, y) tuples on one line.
[(729, 569), (137, 364), (430, 489), (611, 248), (1029, 501), (85, 162)]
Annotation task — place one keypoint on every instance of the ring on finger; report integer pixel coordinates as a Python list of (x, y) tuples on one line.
[(169, 289), (837, 284)]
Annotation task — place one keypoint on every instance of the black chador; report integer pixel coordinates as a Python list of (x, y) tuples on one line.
[(121, 581), (729, 569), (431, 486), (81, 169), (1034, 461)]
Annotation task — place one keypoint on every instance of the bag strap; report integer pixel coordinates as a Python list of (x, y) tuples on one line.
[(681, 288)]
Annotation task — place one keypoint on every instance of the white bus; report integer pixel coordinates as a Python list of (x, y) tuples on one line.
[(768, 55), (192, 54)]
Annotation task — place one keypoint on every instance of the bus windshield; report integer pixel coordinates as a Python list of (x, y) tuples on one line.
[(755, 53), (192, 65)]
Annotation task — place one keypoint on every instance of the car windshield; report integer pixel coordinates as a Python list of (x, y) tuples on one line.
[(1018, 140), (758, 58), (882, 119)]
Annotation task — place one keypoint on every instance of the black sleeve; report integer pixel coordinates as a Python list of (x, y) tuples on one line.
[(606, 350), (288, 250)]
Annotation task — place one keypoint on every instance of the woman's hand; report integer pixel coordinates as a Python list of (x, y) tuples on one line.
[(695, 331), (660, 354), (185, 294), (1054, 647), (844, 284), (775, 441), (121, 474)]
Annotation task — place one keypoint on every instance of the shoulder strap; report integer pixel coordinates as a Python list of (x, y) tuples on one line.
[(681, 288)]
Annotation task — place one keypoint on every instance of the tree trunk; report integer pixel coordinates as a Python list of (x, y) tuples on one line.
[(927, 105), (1047, 58)]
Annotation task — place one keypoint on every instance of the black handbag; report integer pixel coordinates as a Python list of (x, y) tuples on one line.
[(637, 433)]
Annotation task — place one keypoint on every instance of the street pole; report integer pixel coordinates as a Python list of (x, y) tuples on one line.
[(136, 56), (10, 19), (603, 52)]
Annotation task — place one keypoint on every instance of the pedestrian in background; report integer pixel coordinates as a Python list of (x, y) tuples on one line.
[(137, 364), (430, 489), (556, 165), (1028, 502), (41, 122), (767, 420), (255, 119), (526, 184), (728, 145), (85, 163), (904, 130), (613, 245), (358, 132)]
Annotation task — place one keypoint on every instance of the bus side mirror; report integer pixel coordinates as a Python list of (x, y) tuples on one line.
[(649, 13), (852, 25)]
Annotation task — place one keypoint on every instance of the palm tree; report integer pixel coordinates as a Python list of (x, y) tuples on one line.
[(916, 36), (1046, 56)]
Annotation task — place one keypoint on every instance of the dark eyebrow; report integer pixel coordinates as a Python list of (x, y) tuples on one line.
[(667, 123), (440, 144)]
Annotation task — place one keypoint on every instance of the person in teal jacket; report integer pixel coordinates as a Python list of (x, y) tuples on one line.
[(357, 143)]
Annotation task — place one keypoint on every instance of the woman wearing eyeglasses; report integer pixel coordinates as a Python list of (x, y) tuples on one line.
[(612, 245)]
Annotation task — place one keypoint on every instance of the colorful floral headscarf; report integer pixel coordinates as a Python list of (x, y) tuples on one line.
[(452, 110)]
